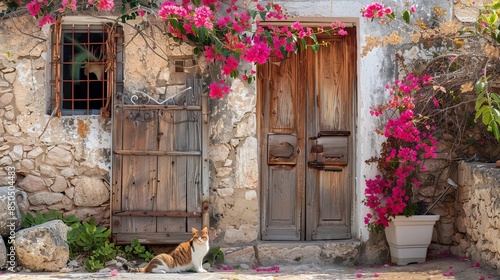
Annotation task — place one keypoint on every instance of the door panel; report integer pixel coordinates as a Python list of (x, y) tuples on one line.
[(306, 116), (158, 169), (281, 214)]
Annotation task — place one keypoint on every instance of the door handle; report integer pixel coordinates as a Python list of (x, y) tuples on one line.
[(333, 156), (332, 169)]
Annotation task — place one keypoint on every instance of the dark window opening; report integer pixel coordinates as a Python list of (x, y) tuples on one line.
[(84, 78), (179, 66)]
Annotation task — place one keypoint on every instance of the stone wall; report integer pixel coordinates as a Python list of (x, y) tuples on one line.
[(478, 214), (234, 169), (62, 163)]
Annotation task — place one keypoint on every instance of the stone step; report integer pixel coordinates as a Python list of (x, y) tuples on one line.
[(344, 252)]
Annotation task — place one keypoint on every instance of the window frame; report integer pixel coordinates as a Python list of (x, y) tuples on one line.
[(112, 64)]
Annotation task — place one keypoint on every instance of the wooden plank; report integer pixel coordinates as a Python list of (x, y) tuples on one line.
[(153, 237), (157, 107), (156, 153), (157, 214), (193, 164), (116, 170), (332, 85), (282, 221), (283, 110), (139, 172)]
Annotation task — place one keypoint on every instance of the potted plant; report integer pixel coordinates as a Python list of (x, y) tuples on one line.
[(408, 142)]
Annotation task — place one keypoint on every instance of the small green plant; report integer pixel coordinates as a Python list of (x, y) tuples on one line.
[(93, 263), (214, 255), (28, 220), (488, 107), (87, 236), (136, 250), (101, 255)]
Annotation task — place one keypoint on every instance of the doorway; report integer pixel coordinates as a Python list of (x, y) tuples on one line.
[(306, 118)]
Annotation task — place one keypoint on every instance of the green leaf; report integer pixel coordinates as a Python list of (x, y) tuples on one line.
[(253, 14), (406, 17), (495, 5), (480, 101), (315, 47), (495, 130), (391, 15), (263, 15), (492, 19)]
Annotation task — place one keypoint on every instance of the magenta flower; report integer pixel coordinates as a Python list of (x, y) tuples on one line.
[(258, 53), (34, 7), (105, 5), (46, 19)]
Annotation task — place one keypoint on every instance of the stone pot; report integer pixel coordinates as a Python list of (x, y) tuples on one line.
[(409, 238), (10, 216)]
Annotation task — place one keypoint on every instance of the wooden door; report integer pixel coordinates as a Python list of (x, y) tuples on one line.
[(306, 105), (160, 177)]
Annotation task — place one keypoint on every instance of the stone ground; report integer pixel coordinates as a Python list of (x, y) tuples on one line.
[(438, 268)]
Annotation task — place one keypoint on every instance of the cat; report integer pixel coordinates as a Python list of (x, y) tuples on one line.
[(187, 255)]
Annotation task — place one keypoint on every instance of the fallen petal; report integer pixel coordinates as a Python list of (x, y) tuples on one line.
[(359, 275)]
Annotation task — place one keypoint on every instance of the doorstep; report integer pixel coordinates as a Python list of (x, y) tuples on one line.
[(269, 253)]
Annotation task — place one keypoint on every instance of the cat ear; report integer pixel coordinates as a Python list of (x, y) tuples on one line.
[(205, 229), (193, 230)]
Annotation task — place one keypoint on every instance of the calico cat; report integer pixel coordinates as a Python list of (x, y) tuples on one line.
[(188, 255)]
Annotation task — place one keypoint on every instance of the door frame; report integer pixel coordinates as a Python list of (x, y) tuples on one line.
[(262, 119)]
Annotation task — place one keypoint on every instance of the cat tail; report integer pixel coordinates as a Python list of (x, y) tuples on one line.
[(134, 269)]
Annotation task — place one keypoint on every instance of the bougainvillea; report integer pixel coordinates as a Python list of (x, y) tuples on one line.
[(409, 141), (223, 31)]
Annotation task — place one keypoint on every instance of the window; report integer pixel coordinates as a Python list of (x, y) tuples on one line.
[(87, 68)]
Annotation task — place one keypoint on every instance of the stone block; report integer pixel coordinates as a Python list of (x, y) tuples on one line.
[(59, 157), (32, 183), (244, 234), (90, 191), (239, 255), (43, 247), (60, 184), (45, 198)]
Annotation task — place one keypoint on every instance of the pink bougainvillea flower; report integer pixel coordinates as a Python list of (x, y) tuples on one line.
[(114, 272), (218, 90), (258, 53), (413, 9), (141, 12), (34, 7), (105, 5), (203, 17), (476, 264), (46, 19), (376, 275), (359, 275)]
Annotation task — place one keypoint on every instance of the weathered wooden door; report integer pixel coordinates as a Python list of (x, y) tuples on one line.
[(306, 105), (160, 177)]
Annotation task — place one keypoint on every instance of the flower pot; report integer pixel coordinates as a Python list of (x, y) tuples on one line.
[(409, 238)]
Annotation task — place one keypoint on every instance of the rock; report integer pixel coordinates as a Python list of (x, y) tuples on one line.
[(59, 157), (60, 184), (90, 191), (3, 253), (35, 152), (247, 171), (32, 183), (43, 247), (5, 99), (45, 198), (16, 153), (66, 270), (219, 153), (10, 216)]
